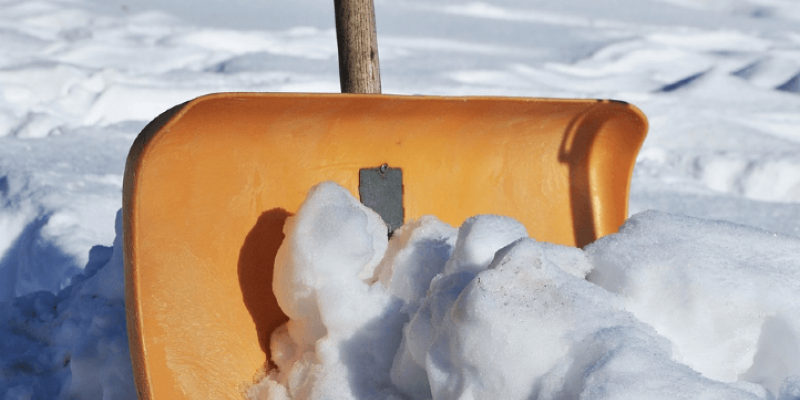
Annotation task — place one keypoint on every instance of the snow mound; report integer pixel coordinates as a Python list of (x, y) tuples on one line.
[(723, 294), (673, 307)]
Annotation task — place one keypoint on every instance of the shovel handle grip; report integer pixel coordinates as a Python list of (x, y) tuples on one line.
[(359, 68)]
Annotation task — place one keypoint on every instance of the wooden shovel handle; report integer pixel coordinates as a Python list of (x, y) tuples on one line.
[(359, 68)]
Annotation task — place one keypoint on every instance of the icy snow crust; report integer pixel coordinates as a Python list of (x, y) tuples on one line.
[(485, 312)]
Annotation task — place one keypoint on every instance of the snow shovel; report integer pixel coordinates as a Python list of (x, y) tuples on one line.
[(210, 183)]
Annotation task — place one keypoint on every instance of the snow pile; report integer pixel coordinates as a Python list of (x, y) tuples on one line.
[(673, 307), (725, 295), (71, 345)]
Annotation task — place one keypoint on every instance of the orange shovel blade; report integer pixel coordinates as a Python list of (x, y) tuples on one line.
[(209, 184)]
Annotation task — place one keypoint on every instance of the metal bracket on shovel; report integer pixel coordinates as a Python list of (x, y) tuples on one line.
[(381, 189)]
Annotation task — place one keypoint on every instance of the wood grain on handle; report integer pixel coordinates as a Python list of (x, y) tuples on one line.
[(359, 68)]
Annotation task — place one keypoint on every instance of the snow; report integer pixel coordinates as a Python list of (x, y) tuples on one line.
[(693, 304), (486, 312), (672, 280), (73, 344)]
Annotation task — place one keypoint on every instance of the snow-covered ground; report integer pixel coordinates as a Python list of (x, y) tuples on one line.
[(718, 79)]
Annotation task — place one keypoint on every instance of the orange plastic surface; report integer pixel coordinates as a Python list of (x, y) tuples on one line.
[(209, 184)]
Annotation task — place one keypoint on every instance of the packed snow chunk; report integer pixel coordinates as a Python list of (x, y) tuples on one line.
[(478, 239), (332, 246), (417, 253), (525, 328), (726, 296), (506, 329), (344, 330)]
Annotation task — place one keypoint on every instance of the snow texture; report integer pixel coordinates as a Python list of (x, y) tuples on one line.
[(505, 316), (710, 305)]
